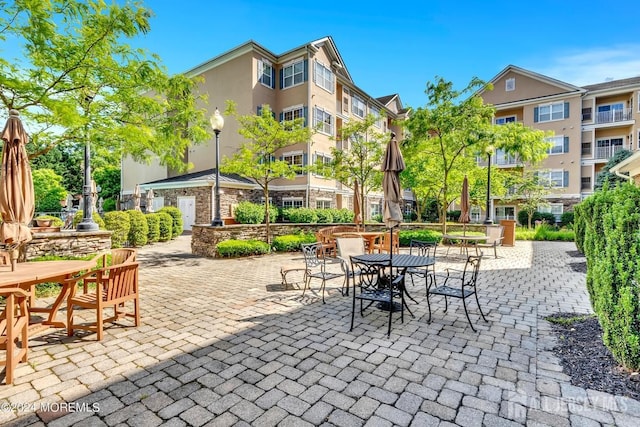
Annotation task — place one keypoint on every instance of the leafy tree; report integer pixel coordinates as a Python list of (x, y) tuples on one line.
[(606, 176), (48, 190), (66, 162), (256, 159), (362, 160), (108, 178), (75, 79), (531, 191)]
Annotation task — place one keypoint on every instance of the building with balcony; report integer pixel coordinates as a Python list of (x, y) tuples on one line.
[(589, 124), (310, 81)]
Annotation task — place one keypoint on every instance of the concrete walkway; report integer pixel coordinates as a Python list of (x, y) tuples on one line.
[(222, 343)]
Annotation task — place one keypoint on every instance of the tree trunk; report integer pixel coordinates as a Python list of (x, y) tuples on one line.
[(266, 213), (529, 218)]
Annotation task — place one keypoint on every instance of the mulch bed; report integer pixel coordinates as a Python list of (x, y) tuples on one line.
[(588, 362)]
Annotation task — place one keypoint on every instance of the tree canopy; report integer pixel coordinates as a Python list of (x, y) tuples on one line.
[(74, 78)]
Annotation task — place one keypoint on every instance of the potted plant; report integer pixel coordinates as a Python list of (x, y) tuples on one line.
[(46, 220)]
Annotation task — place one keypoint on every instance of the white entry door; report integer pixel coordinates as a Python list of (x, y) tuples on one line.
[(187, 206)]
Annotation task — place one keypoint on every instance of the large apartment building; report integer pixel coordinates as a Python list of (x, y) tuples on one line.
[(310, 81), (590, 124)]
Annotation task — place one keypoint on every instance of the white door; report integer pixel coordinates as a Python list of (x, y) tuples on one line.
[(187, 206)]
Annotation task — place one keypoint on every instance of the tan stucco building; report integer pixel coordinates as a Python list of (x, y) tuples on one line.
[(310, 81), (590, 124)]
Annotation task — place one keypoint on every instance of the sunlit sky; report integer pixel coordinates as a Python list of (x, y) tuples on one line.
[(397, 47)]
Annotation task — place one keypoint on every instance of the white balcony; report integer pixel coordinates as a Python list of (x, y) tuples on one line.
[(607, 151), (614, 116)]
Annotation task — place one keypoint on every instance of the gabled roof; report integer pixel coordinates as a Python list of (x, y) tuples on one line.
[(202, 178), (564, 86), (633, 81), (387, 98)]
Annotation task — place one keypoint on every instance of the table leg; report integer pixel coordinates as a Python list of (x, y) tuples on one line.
[(53, 310)]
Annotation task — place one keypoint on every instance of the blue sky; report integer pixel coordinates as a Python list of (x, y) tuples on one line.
[(396, 47)]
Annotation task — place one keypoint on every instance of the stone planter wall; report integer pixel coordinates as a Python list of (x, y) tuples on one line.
[(68, 243), (205, 238)]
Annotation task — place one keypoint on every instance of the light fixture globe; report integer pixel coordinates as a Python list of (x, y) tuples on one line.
[(217, 121)]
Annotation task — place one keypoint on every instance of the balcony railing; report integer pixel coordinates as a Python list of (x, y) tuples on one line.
[(614, 116), (607, 151)]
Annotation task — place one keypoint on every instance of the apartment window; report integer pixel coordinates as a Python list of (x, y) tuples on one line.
[(505, 119), (376, 113), (586, 148), (292, 113), (293, 74), (323, 76), (322, 161), (475, 214), (554, 208), (293, 202), (505, 212), (551, 112), (376, 209), (587, 113), (323, 204), (294, 159), (323, 121), (502, 158), (510, 84), (585, 183), (559, 144), (357, 106), (607, 147), (266, 73), (554, 178)]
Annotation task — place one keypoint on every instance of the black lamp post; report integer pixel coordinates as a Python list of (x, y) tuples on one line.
[(488, 220), (217, 123), (87, 223)]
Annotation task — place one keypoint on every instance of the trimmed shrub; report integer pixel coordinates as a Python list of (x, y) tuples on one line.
[(567, 218), (236, 248), (324, 216), (139, 229), (343, 215), (153, 221), (547, 217), (611, 221), (176, 215), (377, 218), (109, 205), (453, 215), (165, 225), (249, 213), (119, 223), (292, 242), (77, 219), (424, 235), (303, 216)]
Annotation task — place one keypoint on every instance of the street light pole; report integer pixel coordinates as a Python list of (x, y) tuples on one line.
[(488, 220), (87, 223), (217, 123)]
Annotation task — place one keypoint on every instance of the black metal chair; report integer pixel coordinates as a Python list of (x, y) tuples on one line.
[(316, 267), (426, 249), (460, 284), (372, 285)]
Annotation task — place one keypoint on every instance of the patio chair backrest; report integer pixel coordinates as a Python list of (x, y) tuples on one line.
[(349, 246), (495, 234), (422, 248), (310, 252)]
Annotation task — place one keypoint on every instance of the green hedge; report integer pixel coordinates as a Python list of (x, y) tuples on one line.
[(325, 216), (236, 248), (119, 224), (609, 224), (303, 216), (292, 242), (139, 229), (153, 221), (176, 215), (424, 235), (165, 225), (77, 218)]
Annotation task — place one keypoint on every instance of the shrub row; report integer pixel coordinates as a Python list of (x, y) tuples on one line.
[(252, 213), (292, 242), (607, 226), (235, 248)]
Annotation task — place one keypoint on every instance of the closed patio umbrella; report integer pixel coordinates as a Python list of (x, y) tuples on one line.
[(464, 205), (17, 202), (357, 205), (392, 165), (136, 197), (150, 197)]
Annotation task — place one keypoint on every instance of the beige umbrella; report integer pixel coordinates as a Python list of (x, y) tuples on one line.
[(392, 165), (94, 196), (357, 205), (150, 197), (464, 205), (136, 197), (17, 203)]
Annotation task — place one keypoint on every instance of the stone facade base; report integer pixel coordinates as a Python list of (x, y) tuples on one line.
[(68, 243)]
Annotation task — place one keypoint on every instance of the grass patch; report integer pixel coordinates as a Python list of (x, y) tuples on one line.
[(49, 289)]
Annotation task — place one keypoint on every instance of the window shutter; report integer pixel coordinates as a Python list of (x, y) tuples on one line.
[(305, 114), (304, 159), (259, 70), (315, 70), (566, 110), (259, 110), (565, 179), (281, 78), (273, 77), (306, 70), (566, 144), (281, 158), (535, 115), (281, 116)]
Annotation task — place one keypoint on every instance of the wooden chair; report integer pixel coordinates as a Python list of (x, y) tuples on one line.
[(495, 234), (118, 256), (459, 284), (383, 243), (327, 244), (115, 286), (14, 325)]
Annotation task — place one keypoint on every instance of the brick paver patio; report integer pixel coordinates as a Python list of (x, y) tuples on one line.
[(222, 343)]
